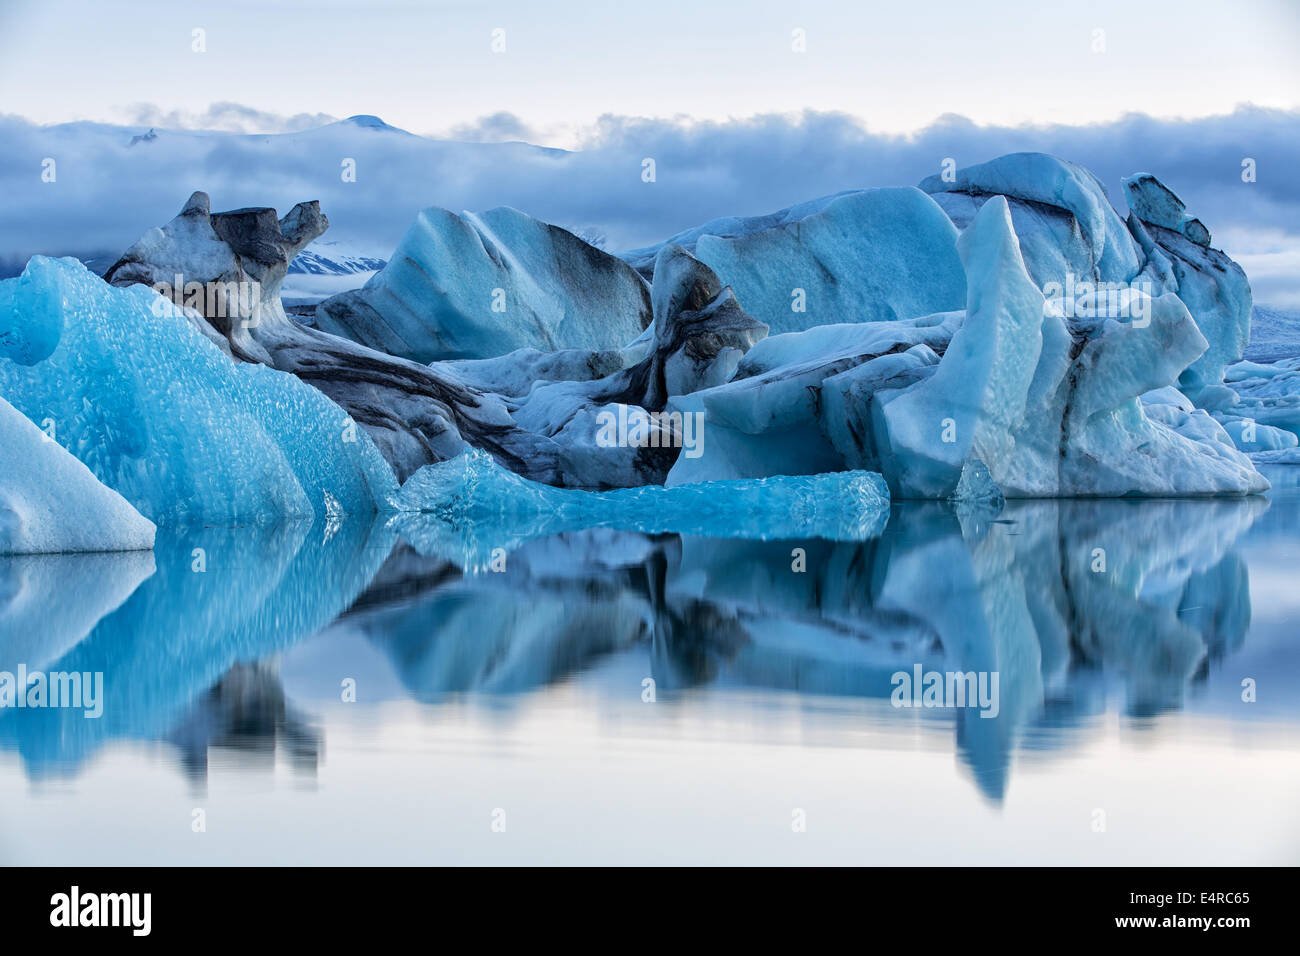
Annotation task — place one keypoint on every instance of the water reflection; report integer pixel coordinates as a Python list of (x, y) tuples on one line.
[(1071, 603), (217, 598), (247, 715)]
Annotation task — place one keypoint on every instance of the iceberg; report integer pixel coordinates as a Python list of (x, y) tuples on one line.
[(414, 414), (50, 502), (162, 416), (1063, 219), (1069, 233), (1048, 408), (1003, 323), (479, 286)]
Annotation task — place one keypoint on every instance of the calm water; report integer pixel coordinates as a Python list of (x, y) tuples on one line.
[(504, 716)]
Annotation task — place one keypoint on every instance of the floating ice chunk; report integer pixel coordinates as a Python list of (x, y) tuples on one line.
[(1049, 410), (470, 506), (980, 392), (158, 413), (1050, 415), (50, 502), (700, 334), (1212, 286), (785, 411)]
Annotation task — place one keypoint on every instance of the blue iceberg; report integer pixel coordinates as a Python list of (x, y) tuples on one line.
[(162, 416), (468, 507)]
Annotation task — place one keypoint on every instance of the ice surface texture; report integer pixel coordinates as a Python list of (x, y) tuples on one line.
[(51, 502), (161, 415), (1066, 226)]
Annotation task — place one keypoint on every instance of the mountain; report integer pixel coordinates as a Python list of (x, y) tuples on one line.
[(324, 269), (322, 259)]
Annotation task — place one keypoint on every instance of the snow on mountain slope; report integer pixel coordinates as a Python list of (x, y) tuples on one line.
[(326, 268), (1274, 334)]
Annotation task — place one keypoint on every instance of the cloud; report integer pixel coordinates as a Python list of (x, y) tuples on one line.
[(107, 192), (502, 127), (226, 117)]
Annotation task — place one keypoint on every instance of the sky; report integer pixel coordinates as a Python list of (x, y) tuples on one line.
[(739, 120), (430, 67)]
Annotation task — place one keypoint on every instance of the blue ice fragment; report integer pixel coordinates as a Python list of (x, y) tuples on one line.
[(466, 508)]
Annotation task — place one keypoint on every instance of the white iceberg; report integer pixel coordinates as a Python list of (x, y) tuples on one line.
[(50, 502), (869, 256), (1050, 409)]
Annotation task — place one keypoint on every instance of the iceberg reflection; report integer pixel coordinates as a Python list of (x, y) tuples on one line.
[(218, 597), (1072, 604), (1062, 599)]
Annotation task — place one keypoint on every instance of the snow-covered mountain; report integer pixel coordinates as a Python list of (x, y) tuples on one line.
[(326, 268), (323, 260)]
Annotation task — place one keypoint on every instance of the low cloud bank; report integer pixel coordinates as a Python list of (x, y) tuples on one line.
[(104, 189)]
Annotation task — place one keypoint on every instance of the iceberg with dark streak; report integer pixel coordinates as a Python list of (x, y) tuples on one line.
[(478, 286)]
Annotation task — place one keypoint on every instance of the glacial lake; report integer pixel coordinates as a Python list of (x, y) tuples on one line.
[(336, 695)]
